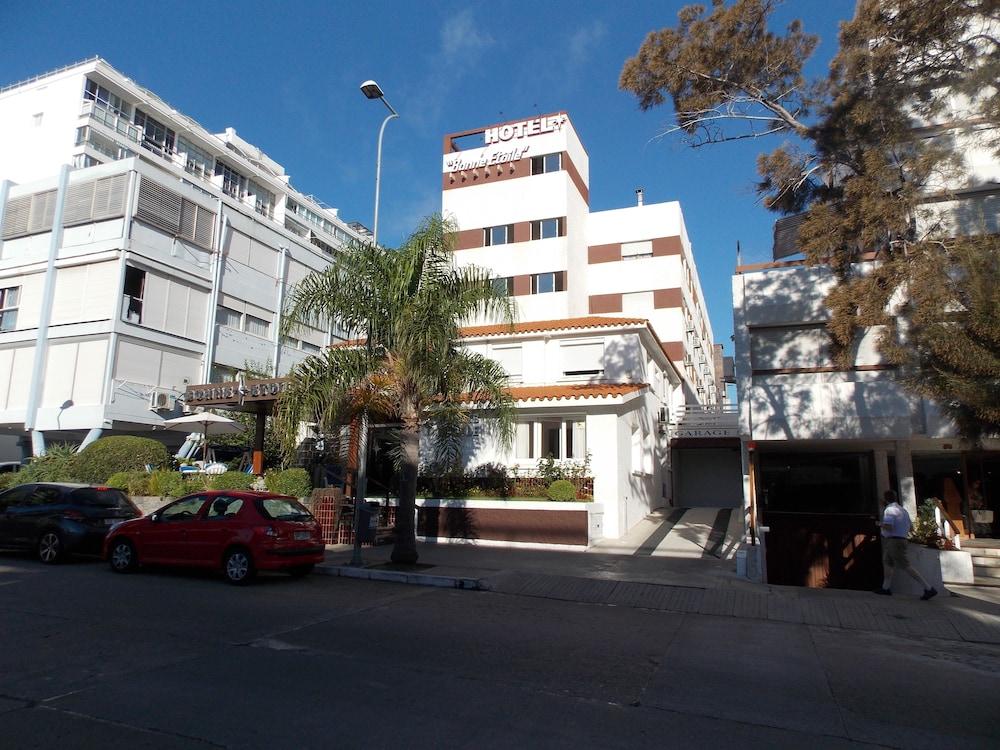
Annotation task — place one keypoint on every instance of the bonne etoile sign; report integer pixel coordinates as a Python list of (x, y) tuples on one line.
[(503, 134)]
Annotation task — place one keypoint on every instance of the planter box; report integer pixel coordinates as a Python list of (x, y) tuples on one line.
[(576, 524), (938, 567)]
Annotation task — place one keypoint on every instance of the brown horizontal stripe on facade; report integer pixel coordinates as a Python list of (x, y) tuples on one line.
[(673, 349), (522, 231), (604, 253), (667, 246), (663, 298), (508, 171), (818, 370), (605, 303), (499, 524)]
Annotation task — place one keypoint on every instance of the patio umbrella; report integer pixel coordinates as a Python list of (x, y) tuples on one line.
[(210, 424)]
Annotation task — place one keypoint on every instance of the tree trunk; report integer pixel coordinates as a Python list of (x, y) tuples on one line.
[(405, 547)]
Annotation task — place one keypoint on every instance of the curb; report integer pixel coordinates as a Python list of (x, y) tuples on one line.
[(398, 576)]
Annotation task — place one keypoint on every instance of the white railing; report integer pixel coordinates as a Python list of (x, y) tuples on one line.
[(718, 414)]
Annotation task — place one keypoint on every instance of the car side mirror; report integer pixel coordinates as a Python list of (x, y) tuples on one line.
[(154, 517)]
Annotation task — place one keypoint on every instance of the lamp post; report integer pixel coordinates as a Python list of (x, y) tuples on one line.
[(373, 91)]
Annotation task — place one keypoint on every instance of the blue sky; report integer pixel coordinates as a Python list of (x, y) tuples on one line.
[(286, 76)]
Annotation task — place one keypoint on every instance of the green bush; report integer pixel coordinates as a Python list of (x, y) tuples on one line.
[(10, 479), (174, 484), (294, 482), (59, 464), (119, 480), (118, 453), (135, 483), (231, 480), (561, 490)]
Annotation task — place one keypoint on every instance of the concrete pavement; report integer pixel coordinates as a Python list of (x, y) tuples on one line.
[(684, 584)]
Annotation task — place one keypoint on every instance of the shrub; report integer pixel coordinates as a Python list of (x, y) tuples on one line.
[(10, 479), (59, 464), (294, 482), (174, 484), (118, 453), (231, 480), (118, 480), (561, 490)]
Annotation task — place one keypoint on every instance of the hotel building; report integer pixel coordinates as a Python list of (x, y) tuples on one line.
[(140, 253)]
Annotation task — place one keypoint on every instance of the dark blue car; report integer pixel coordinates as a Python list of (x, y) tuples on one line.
[(56, 519)]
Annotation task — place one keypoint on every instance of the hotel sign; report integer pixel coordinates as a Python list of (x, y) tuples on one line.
[(523, 129), (237, 392), (486, 159)]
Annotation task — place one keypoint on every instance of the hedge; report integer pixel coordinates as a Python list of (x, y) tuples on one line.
[(294, 482), (561, 490), (110, 455)]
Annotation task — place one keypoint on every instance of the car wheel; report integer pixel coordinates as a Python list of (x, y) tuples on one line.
[(123, 558), (50, 548), (301, 570), (238, 566)]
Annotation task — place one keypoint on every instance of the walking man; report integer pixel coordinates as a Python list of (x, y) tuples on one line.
[(895, 529)]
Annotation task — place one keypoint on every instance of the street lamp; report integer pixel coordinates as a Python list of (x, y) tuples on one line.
[(373, 91)]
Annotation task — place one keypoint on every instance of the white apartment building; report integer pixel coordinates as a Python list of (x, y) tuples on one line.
[(825, 442), (139, 254), (519, 193)]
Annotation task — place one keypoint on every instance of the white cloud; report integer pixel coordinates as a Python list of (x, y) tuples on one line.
[(461, 38), (582, 41)]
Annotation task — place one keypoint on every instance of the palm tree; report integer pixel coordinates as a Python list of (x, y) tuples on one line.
[(406, 307)]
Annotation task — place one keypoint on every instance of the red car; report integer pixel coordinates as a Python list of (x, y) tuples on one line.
[(235, 531)]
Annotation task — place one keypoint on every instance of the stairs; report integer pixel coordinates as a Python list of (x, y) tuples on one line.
[(985, 560)]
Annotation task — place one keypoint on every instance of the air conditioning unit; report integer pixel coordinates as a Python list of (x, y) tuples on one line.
[(160, 400)]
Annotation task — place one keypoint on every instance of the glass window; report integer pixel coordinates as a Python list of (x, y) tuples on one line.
[(543, 283), (546, 163), (155, 135), (100, 498), (196, 161), (229, 318), (257, 326), (224, 507), (818, 483), (100, 95), (504, 285), (282, 509), (183, 509), (499, 235), (135, 281), (311, 348), (263, 199), (543, 229), (233, 183), (8, 307)]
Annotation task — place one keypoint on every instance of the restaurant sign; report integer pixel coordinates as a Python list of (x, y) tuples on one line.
[(235, 392)]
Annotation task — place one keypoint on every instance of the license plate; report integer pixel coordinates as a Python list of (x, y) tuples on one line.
[(301, 536)]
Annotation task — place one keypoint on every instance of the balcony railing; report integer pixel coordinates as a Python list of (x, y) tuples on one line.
[(115, 122), (707, 416)]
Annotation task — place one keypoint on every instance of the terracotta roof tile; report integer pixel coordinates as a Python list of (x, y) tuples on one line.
[(537, 326), (576, 391)]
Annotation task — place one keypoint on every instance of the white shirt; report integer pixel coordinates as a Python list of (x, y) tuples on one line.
[(895, 521)]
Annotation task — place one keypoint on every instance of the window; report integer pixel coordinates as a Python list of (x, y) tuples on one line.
[(543, 229), (543, 283), (233, 183), (510, 358), (263, 199), (504, 285), (311, 348), (546, 163), (170, 211), (498, 235), (183, 510), (632, 250), (135, 282), (8, 307), (225, 316), (156, 136), (101, 96), (224, 507), (558, 438), (223, 374), (290, 342), (196, 161), (257, 326), (582, 358)]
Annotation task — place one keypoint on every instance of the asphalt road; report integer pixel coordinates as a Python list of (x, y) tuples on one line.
[(182, 660)]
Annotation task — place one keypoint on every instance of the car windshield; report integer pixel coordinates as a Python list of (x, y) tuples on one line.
[(282, 509), (100, 498)]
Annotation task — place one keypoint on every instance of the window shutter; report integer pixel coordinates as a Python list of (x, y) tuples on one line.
[(509, 357), (159, 206), (204, 228), (15, 217), (583, 358), (79, 203), (43, 209), (109, 197)]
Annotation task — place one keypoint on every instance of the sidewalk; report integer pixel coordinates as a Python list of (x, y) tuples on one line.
[(706, 586)]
